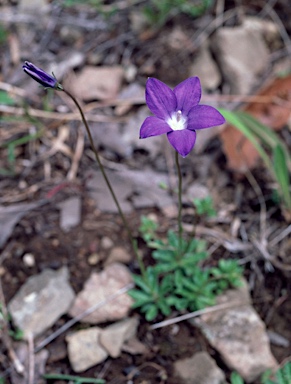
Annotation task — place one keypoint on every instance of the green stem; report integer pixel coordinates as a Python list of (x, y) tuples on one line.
[(180, 227), (97, 157)]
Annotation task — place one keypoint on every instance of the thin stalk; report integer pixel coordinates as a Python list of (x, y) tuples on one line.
[(180, 227), (97, 157)]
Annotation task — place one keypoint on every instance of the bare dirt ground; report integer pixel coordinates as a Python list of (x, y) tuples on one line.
[(36, 169)]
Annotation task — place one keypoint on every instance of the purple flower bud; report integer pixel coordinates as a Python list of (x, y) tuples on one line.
[(177, 113), (41, 76)]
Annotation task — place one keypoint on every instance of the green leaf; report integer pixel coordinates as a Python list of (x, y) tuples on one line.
[(140, 298), (235, 378), (151, 312), (5, 99), (282, 174)]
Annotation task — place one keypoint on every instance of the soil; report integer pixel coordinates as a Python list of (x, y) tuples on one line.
[(38, 233)]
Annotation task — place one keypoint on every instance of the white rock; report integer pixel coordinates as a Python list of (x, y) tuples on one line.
[(29, 260), (199, 369), (206, 69), (100, 286), (41, 301), (239, 335), (242, 56), (113, 337), (84, 350), (106, 242)]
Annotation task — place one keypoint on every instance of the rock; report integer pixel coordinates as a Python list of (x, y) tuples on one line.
[(29, 260), (134, 347), (96, 82), (84, 350), (33, 6), (70, 213), (206, 69), (113, 337), (97, 288), (268, 29), (199, 369), (118, 254), (242, 56), (106, 242), (239, 335), (41, 301)]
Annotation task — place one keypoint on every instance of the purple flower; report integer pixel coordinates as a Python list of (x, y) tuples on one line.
[(177, 113), (41, 76)]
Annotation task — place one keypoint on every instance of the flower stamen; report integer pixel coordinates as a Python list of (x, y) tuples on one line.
[(177, 122)]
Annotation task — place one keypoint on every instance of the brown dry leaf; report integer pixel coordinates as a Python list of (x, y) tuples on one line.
[(240, 153), (96, 82)]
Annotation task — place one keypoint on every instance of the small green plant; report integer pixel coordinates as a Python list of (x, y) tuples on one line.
[(5, 320), (282, 376), (178, 279), (158, 12), (73, 379), (205, 206), (270, 147)]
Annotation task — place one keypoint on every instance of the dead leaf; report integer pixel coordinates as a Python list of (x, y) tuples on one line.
[(241, 154)]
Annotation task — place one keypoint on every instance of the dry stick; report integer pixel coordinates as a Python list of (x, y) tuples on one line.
[(78, 152), (5, 335), (76, 319), (281, 236), (56, 115), (31, 360), (191, 315)]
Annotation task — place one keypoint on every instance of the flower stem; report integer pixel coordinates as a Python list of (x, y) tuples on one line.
[(180, 227), (97, 157)]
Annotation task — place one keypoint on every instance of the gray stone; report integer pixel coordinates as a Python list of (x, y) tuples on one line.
[(33, 6), (199, 369), (206, 69), (113, 337), (238, 334), (99, 287), (70, 213), (84, 350), (41, 301), (242, 56)]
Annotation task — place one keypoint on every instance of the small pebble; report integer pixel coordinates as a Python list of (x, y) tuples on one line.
[(29, 260), (106, 242), (93, 259)]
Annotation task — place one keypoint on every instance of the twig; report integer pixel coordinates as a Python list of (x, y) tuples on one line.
[(58, 116), (77, 156), (281, 236), (5, 335), (76, 319), (191, 315), (31, 362)]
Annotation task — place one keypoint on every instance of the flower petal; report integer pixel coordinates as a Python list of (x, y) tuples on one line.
[(182, 141), (39, 75), (188, 94), (153, 126), (160, 99), (204, 116)]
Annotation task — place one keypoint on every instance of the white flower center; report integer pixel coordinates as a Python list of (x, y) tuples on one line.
[(177, 122)]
